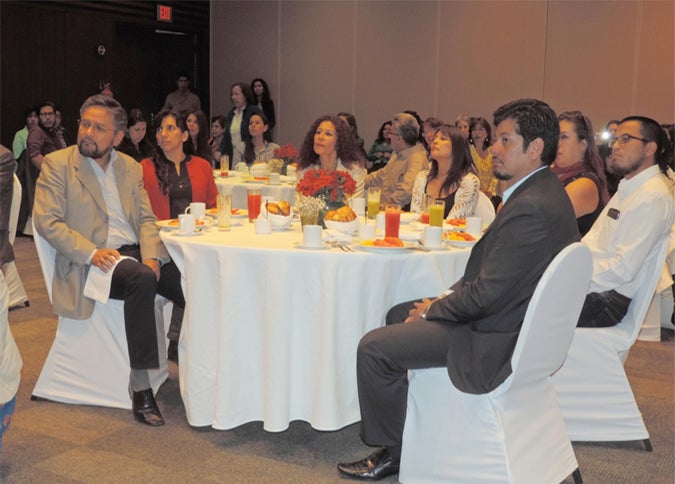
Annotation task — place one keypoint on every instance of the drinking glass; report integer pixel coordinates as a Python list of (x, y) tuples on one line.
[(392, 220), (224, 165), (427, 200), (254, 201), (436, 213), (224, 204), (374, 194)]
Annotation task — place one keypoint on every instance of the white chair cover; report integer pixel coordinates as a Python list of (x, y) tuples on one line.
[(594, 393), (88, 362), (17, 293), (516, 432), (484, 209)]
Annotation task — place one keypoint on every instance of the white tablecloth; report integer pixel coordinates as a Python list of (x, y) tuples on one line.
[(236, 186), (271, 330)]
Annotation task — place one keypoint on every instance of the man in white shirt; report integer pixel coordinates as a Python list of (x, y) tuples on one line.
[(633, 225), (92, 207), (397, 177)]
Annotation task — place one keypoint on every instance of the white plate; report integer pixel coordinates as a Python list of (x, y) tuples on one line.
[(407, 217), (304, 247), (165, 224), (172, 223), (462, 243), (383, 250)]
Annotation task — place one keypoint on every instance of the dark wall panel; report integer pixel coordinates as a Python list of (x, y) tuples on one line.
[(49, 50)]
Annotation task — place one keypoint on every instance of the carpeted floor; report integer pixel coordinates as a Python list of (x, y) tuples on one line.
[(55, 443)]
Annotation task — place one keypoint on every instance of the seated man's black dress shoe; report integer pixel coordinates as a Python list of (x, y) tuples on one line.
[(377, 465), (145, 408)]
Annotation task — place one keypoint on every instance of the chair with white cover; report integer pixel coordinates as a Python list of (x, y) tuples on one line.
[(88, 362), (484, 209), (17, 293), (595, 396), (514, 433)]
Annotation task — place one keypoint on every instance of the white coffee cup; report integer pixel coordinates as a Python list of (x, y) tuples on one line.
[(186, 223), (433, 236), (379, 222), (262, 226), (275, 179), (198, 209), (474, 226), (311, 235), (366, 231), (359, 206)]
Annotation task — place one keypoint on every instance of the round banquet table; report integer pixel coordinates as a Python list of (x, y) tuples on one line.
[(236, 185), (271, 329)]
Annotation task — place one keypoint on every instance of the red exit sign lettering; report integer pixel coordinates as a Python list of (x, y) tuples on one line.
[(164, 13)]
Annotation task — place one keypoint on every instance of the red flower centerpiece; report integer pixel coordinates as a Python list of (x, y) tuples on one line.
[(320, 191), (283, 156)]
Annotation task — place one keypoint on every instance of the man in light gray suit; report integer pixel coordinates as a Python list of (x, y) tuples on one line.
[(91, 206)]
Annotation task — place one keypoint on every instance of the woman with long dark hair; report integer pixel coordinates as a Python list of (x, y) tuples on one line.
[(263, 100), (480, 139), (580, 169), (258, 146), (174, 178), (135, 142), (451, 176), (380, 150), (329, 145), (198, 126)]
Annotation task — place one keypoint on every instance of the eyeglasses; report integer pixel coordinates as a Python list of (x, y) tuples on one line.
[(98, 129), (625, 138), (50, 113)]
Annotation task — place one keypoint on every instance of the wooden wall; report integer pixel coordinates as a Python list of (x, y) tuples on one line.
[(49, 50), (444, 57)]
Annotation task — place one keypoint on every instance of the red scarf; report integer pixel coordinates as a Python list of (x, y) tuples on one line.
[(571, 171)]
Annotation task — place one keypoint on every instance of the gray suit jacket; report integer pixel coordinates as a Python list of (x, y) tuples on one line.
[(6, 191), (488, 305), (70, 212)]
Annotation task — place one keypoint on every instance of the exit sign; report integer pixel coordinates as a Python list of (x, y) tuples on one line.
[(164, 13)]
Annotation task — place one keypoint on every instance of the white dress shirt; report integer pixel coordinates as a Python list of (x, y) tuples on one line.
[(634, 223)]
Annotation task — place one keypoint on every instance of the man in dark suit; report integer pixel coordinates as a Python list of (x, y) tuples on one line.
[(92, 207), (473, 327)]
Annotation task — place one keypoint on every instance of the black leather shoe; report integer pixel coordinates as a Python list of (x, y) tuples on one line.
[(377, 465), (145, 408), (172, 351)]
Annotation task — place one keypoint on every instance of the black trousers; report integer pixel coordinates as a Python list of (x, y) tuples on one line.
[(383, 357), (603, 309), (135, 284)]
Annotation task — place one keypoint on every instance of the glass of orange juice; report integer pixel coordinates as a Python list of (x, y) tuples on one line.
[(392, 220), (436, 213)]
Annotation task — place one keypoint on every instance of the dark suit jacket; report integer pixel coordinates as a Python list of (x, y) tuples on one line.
[(71, 213), (488, 305), (226, 147)]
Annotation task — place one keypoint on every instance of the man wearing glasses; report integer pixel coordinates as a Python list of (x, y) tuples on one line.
[(42, 139), (397, 177), (91, 206), (632, 225)]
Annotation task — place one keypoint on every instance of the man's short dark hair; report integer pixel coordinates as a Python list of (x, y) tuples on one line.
[(42, 104), (107, 102), (183, 74), (652, 131), (534, 119)]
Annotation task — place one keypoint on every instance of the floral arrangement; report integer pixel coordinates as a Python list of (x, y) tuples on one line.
[(317, 191), (283, 156), (331, 187)]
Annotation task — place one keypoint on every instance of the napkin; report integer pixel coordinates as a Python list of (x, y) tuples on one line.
[(337, 236), (409, 236), (97, 286)]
